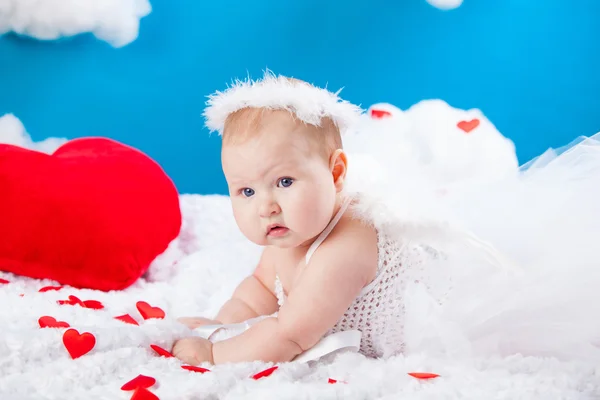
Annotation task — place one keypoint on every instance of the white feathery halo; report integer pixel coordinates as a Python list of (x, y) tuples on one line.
[(308, 103)]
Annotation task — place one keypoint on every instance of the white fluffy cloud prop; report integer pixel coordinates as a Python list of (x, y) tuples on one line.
[(445, 4), (114, 21), (13, 132)]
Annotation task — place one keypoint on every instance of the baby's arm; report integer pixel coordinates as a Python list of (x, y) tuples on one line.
[(338, 271), (251, 298)]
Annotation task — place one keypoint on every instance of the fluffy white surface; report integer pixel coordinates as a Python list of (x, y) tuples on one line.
[(114, 21), (12, 131), (309, 104), (445, 4), (35, 365), (471, 343)]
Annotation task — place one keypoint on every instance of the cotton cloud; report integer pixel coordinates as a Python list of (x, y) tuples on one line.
[(114, 21), (445, 4), (13, 132), (448, 144)]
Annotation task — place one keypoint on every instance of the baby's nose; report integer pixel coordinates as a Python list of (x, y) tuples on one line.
[(269, 208)]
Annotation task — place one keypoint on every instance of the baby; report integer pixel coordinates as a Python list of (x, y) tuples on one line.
[(325, 267)]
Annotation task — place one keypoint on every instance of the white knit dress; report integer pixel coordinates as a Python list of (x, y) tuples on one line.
[(378, 311)]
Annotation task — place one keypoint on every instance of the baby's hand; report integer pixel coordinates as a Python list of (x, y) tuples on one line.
[(194, 322), (193, 350)]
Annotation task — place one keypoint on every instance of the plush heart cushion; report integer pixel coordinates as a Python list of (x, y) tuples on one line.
[(94, 214)]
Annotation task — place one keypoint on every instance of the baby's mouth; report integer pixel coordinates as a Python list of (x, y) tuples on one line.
[(276, 230)]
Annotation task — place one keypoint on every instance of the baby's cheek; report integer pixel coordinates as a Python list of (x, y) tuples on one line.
[(312, 212)]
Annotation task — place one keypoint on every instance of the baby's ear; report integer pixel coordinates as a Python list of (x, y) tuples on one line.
[(338, 165)]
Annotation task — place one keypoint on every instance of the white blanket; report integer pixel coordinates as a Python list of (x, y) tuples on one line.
[(211, 258)]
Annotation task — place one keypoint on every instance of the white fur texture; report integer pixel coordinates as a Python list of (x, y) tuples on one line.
[(114, 21), (309, 104), (35, 365), (13, 132)]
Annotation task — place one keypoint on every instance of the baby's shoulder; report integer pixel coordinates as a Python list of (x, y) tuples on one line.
[(354, 227), (353, 239)]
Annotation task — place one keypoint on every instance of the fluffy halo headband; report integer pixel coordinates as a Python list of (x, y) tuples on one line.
[(308, 103)]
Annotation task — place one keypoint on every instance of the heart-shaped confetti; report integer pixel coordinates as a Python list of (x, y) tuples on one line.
[(147, 311), (143, 394), (3, 281), (48, 288), (195, 369), (73, 301), (264, 373), (423, 375), (379, 114), (51, 322), (78, 344), (468, 126), (76, 301), (128, 319), (140, 381), (93, 304), (161, 351)]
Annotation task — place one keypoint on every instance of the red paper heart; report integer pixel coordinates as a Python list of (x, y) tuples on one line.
[(73, 301), (51, 322), (78, 344), (264, 373), (147, 311), (3, 281), (128, 319), (143, 394), (423, 375), (48, 288), (468, 126), (379, 114), (111, 208), (140, 381), (93, 304), (161, 351), (195, 369)]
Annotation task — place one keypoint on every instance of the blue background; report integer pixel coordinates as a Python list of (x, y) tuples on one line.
[(531, 66)]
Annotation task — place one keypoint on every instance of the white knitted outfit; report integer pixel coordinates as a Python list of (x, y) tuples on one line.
[(378, 311)]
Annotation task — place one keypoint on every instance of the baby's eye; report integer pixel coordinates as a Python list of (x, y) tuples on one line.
[(248, 192), (285, 182)]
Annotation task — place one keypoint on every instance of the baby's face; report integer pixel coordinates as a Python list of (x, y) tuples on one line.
[(282, 190)]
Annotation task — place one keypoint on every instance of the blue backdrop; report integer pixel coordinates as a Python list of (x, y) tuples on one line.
[(531, 66)]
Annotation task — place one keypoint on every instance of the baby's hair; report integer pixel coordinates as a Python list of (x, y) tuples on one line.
[(246, 123)]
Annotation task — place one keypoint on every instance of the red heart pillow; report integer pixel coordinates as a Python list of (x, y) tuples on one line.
[(94, 214)]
